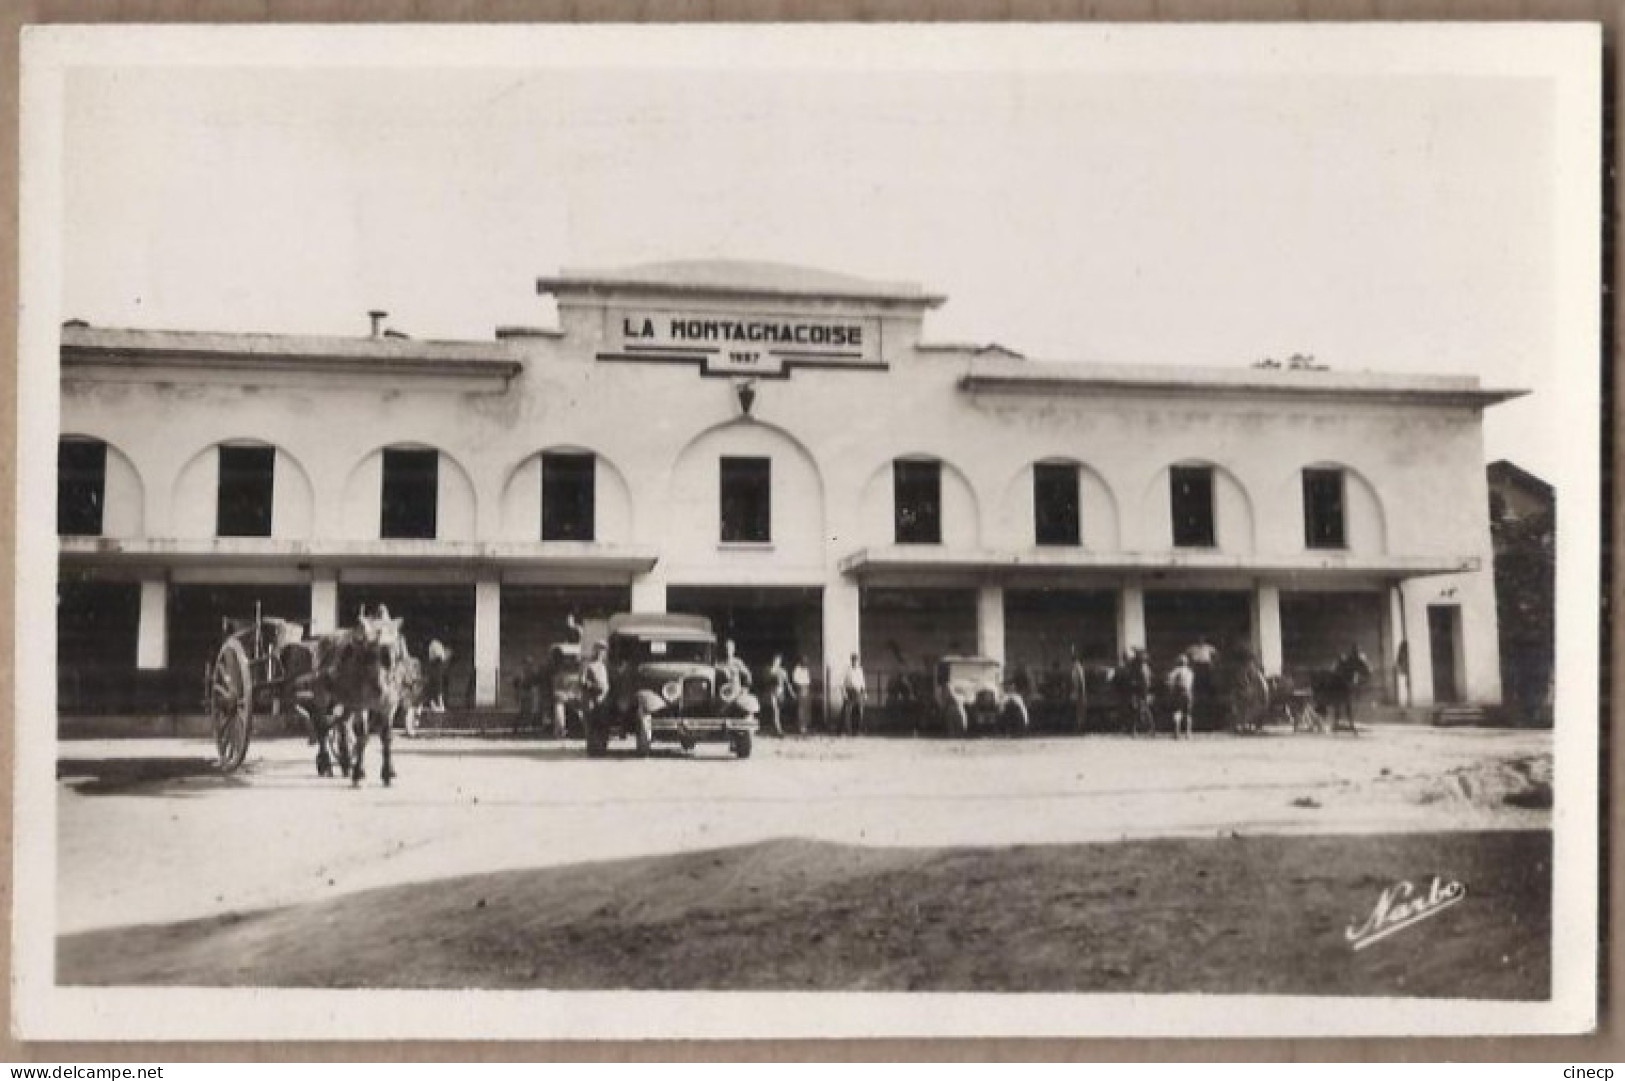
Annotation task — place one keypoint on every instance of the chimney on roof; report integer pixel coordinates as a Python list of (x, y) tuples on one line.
[(377, 318)]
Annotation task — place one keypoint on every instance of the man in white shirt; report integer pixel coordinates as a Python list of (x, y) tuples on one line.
[(852, 691), (801, 682)]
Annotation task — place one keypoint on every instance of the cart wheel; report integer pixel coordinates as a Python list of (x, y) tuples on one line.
[(231, 705)]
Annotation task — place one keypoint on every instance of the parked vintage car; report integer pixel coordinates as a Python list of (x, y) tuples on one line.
[(971, 695), (664, 688)]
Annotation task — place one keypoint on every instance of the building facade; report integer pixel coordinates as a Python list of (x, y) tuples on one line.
[(783, 450)]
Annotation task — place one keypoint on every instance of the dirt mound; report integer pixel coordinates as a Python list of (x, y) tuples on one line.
[(1516, 782), (1222, 915)]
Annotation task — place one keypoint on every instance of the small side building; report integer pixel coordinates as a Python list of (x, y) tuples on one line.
[(1523, 527)]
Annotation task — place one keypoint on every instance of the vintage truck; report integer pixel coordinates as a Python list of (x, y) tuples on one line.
[(665, 687)]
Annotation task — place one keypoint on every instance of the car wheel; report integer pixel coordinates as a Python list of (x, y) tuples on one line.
[(741, 744), (1015, 717), (645, 734), (958, 720)]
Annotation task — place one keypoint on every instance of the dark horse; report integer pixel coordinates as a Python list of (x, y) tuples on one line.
[(340, 681), (1337, 688)]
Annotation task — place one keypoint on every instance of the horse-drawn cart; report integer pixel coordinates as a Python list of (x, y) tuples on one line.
[(246, 676)]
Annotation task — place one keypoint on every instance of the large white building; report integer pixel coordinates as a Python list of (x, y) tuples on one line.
[(782, 449)]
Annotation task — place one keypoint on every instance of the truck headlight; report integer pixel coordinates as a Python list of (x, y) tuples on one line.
[(671, 691)]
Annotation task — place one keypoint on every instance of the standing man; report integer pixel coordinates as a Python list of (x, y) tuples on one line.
[(1078, 692), (1182, 695), (801, 681), (1202, 657), (852, 691), (1353, 672), (435, 675), (1136, 686), (594, 682), (527, 685), (732, 672), (776, 682)]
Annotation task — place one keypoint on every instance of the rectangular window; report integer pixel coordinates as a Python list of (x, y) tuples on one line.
[(411, 494), (918, 488), (567, 496), (1192, 506), (1055, 504), (247, 481), (747, 500), (81, 486), (1323, 509)]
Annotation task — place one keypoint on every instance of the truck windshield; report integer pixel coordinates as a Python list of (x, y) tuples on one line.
[(648, 649)]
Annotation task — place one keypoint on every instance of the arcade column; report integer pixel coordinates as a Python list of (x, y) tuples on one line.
[(649, 591), (152, 635), (1267, 627), (487, 640), (1130, 618), (842, 635), (1414, 596), (990, 622), (324, 605)]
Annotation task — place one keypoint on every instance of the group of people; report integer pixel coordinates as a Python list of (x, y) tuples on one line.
[(538, 696), (781, 688), (1196, 685), (1187, 683)]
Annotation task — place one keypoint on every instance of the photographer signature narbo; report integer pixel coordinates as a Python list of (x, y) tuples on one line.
[(1401, 905)]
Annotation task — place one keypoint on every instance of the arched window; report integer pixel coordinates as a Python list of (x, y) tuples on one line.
[(569, 509), (1325, 522), (1056, 520), (746, 505), (1191, 505), (917, 488), (409, 504), (81, 486), (246, 492)]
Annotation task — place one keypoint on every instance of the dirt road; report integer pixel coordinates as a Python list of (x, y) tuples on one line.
[(147, 833), (1218, 915)]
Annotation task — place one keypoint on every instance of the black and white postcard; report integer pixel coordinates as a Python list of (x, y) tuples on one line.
[(808, 531)]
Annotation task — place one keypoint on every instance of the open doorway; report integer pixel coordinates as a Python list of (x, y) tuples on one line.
[(1444, 644)]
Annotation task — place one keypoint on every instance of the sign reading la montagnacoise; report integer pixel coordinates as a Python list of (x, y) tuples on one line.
[(741, 344)]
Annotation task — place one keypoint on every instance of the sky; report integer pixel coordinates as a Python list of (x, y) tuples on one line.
[(1177, 211)]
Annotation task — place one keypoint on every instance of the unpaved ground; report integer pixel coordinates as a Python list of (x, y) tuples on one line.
[(1220, 915), (148, 834)]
